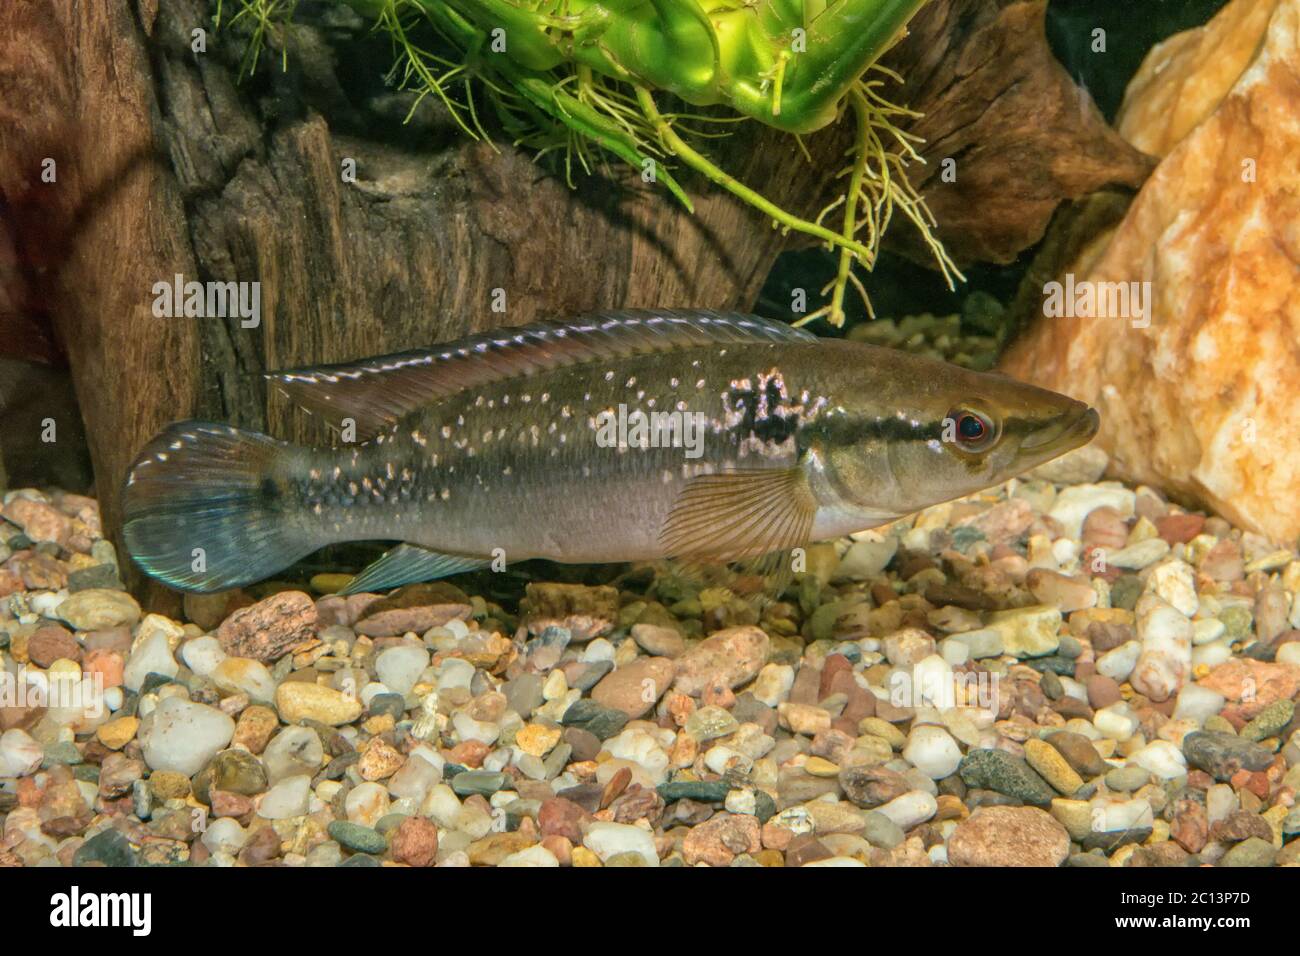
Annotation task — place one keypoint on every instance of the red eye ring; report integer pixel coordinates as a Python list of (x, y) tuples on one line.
[(971, 430)]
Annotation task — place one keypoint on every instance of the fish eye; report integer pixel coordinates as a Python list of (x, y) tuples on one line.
[(972, 431)]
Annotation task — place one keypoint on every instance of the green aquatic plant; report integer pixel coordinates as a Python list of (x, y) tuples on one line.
[(564, 76)]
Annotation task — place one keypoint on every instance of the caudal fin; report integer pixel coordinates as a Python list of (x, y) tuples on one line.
[(204, 511)]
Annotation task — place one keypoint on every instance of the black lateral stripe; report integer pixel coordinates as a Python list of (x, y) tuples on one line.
[(845, 430)]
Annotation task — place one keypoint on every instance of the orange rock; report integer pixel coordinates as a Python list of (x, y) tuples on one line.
[(1198, 396), (1255, 684)]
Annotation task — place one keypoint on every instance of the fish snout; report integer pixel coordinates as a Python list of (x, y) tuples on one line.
[(1073, 427)]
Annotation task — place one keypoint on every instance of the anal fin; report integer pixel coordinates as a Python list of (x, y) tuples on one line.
[(408, 564)]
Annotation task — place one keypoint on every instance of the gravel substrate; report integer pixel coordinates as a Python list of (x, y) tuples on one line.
[(1061, 671)]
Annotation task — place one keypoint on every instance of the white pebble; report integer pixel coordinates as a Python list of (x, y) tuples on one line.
[(913, 807), (455, 672), (288, 798), (1197, 703), (224, 835), (467, 728), (153, 655), (399, 667), (441, 806), (1161, 758), (1207, 629), (1220, 800), (243, 675), (1175, 582), (641, 748), (536, 855), (932, 750), (183, 736), (202, 654), (1118, 662), (608, 839), (1075, 502), (366, 803), (293, 751), (1116, 721), (773, 684), (1166, 657), (20, 754), (598, 650)]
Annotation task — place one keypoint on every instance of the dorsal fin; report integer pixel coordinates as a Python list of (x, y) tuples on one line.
[(376, 392)]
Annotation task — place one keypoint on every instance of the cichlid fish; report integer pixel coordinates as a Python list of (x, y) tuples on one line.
[(616, 437)]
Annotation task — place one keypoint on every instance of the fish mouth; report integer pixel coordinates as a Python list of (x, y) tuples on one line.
[(1069, 430)]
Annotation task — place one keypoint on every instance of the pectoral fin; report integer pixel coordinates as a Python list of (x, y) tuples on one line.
[(408, 564), (740, 514)]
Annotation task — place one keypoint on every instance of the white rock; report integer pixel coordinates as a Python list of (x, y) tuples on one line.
[(1118, 662), (399, 667), (415, 778), (153, 655), (1220, 800), (1288, 653), (608, 839), (1212, 654), (1116, 721), (288, 798), (641, 748), (1138, 556), (366, 803), (1175, 582), (1028, 631), (243, 675), (741, 801), (772, 686), (954, 652), (202, 654), (536, 855), (720, 759), (1074, 503), (867, 557), (913, 807), (20, 754), (1197, 703), (293, 751), (932, 750), (986, 642), (441, 806), (455, 672), (1207, 629), (1162, 759), (598, 650), (1111, 816), (1166, 657), (467, 728), (225, 835), (907, 647), (932, 682), (183, 736)]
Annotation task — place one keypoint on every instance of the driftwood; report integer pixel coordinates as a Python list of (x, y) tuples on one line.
[(168, 166)]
